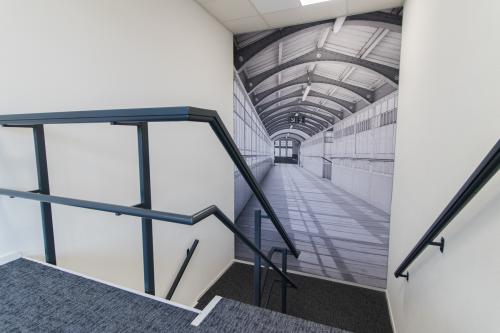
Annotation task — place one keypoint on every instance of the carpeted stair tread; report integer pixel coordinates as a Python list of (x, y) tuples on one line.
[(39, 298), (233, 316)]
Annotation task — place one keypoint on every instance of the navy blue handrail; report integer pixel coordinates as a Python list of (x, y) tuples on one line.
[(162, 114), (484, 172), (146, 213)]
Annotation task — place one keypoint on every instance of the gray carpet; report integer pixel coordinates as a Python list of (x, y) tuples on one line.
[(232, 316), (37, 298), (334, 304)]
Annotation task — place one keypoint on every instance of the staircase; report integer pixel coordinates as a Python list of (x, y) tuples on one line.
[(62, 301), (39, 297)]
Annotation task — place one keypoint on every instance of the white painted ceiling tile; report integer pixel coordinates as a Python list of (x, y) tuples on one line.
[(365, 6), (269, 6), (281, 13), (311, 13), (247, 24), (226, 10)]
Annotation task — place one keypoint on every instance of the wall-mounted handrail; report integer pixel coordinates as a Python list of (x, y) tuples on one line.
[(166, 114), (483, 173), (100, 206), (179, 275), (146, 213)]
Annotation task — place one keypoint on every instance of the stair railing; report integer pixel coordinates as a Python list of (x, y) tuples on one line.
[(185, 263), (259, 287), (483, 173), (140, 119)]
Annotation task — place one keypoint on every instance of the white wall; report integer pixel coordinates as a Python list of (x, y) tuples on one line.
[(83, 55), (448, 119)]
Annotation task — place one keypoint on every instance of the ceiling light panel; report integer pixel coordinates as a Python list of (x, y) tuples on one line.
[(311, 2)]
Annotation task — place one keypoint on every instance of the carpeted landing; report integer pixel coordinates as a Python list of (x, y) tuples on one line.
[(340, 305), (40, 298), (232, 316)]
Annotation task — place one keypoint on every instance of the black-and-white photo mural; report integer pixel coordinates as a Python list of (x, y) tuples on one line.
[(315, 116)]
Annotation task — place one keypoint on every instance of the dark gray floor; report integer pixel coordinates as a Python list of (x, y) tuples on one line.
[(334, 304), (340, 236)]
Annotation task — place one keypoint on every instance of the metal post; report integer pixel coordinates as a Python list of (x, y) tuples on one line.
[(284, 284), (256, 265), (44, 188), (147, 226)]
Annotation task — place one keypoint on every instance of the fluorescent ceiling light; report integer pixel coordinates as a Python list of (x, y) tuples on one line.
[(311, 2)]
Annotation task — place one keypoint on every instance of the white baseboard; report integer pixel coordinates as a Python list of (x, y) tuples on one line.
[(156, 298), (391, 317), (320, 277), (8, 257), (213, 282), (206, 311)]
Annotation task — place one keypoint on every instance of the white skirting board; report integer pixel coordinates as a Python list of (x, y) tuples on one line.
[(206, 311), (319, 277), (213, 281), (13, 256), (390, 313), (8, 257)]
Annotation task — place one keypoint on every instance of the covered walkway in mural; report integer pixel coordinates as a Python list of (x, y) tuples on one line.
[(339, 235)]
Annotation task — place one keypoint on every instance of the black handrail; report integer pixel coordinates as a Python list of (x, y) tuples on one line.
[(284, 285), (146, 213), (258, 288), (179, 275), (483, 173), (166, 114)]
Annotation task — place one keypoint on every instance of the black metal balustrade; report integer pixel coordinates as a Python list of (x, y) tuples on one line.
[(139, 118), (483, 173)]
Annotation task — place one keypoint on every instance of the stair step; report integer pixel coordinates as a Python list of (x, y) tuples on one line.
[(37, 297), (225, 315)]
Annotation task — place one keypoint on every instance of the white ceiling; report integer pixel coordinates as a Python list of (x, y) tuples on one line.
[(241, 16)]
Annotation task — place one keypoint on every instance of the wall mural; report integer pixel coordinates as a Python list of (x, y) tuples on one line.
[(315, 109)]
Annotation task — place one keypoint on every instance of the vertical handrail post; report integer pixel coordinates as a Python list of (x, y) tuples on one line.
[(147, 226), (257, 260), (44, 188), (284, 284)]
